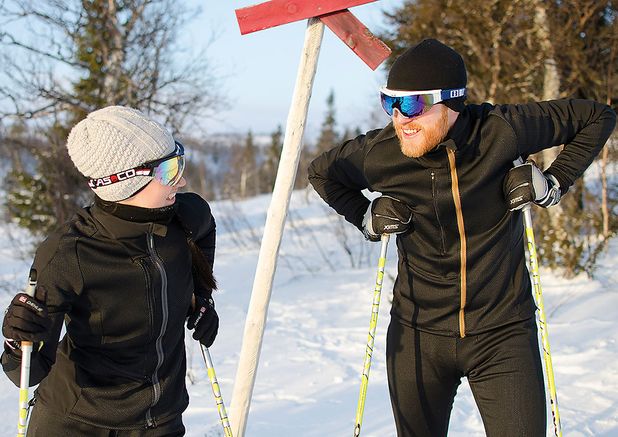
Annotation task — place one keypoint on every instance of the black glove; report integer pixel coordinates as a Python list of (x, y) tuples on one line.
[(204, 320), (26, 318), (386, 215), (526, 183)]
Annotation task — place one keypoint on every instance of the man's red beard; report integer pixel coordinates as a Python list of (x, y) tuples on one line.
[(427, 138)]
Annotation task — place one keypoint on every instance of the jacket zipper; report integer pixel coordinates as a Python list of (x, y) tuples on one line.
[(435, 208), (156, 385), (149, 297), (462, 238)]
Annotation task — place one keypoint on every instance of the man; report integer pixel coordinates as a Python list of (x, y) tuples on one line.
[(462, 302)]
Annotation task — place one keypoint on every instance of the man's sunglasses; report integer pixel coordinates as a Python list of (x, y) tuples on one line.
[(167, 170), (413, 104)]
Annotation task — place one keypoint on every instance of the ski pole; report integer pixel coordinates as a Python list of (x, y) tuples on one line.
[(227, 429), (370, 339), (24, 381), (536, 285)]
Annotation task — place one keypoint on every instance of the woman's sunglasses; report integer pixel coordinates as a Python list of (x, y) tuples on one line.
[(167, 170)]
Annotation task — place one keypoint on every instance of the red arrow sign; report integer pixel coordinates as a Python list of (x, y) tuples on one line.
[(333, 13), (276, 12), (355, 35)]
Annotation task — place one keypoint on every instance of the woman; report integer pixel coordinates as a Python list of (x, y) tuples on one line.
[(123, 275)]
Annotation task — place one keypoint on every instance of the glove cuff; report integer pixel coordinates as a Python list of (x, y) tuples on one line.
[(12, 346), (368, 225), (552, 197)]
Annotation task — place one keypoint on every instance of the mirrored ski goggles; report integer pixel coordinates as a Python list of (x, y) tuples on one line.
[(167, 170), (413, 104)]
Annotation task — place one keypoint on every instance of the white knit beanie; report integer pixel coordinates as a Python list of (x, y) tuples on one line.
[(114, 139)]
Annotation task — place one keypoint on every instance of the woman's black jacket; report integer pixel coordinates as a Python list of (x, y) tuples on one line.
[(123, 289)]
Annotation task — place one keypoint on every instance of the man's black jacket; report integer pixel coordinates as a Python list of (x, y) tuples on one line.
[(124, 289), (462, 267)]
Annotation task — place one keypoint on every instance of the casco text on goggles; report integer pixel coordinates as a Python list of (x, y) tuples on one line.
[(167, 170), (412, 104)]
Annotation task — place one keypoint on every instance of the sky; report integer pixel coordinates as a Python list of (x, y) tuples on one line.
[(259, 70), (308, 378)]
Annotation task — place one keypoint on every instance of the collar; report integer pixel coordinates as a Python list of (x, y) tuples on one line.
[(137, 214), (121, 221), (459, 133), (456, 139)]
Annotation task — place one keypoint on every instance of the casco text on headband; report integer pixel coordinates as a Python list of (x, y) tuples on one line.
[(167, 170), (414, 103)]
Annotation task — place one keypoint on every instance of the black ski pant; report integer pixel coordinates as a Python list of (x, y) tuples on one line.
[(503, 367), (44, 423)]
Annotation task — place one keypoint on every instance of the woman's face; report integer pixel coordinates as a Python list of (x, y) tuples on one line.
[(156, 195)]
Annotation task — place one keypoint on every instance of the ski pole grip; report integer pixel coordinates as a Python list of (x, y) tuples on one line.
[(30, 288)]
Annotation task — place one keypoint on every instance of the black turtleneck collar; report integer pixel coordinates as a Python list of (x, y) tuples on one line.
[(137, 214), (456, 139), (460, 131)]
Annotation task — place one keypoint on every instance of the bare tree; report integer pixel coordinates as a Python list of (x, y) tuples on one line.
[(61, 59), (523, 50), (329, 137), (583, 42), (77, 56), (550, 90), (495, 37)]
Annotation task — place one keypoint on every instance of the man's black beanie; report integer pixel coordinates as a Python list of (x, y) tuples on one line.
[(429, 65)]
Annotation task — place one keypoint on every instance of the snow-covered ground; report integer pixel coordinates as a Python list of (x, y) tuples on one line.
[(309, 372)]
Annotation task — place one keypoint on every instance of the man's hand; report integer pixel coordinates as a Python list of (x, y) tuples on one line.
[(526, 183), (386, 215)]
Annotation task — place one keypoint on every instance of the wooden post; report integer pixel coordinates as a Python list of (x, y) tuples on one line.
[(273, 229), (372, 51)]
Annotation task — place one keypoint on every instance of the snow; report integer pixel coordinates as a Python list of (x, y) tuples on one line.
[(312, 355)]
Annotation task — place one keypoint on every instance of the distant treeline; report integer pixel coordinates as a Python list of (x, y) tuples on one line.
[(76, 56)]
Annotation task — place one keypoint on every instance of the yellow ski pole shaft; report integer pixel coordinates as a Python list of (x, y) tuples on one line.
[(538, 295), (227, 429), (536, 285), (371, 338), (24, 381)]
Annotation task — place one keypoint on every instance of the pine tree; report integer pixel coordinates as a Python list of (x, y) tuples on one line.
[(328, 134), (248, 168), (271, 163), (242, 178)]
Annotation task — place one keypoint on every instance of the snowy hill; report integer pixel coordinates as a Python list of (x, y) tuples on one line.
[(309, 373)]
